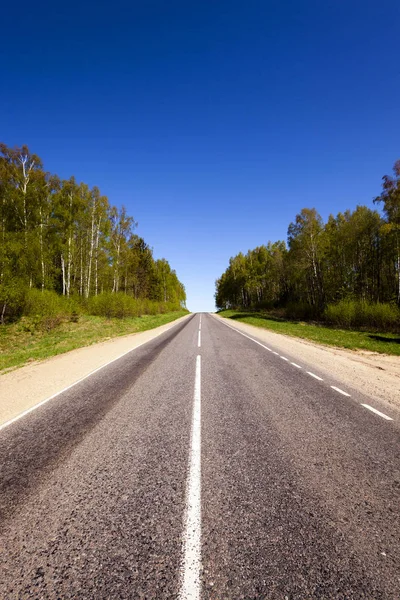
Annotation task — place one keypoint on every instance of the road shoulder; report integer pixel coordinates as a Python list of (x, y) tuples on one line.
[(32, 384), (373, 374)]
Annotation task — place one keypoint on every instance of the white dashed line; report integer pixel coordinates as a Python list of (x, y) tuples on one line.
[(248, 337), (284, 358), (199, 340), (191, 559), (310, 373), (377, 412), (313, 375), (340, 391)]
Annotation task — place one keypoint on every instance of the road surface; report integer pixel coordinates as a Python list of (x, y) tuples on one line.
[(202, 465)]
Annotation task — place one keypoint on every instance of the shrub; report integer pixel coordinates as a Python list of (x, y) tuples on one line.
[(365, 315), (120, 305), (111, 305), (301, 311), (12, 300), (45, 303)]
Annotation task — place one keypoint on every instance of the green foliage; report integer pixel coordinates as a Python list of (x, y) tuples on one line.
[(111, 305), (302, 311), (12, 300), (46, 303), (354, 257), (355, 314), (60, 236), (120, 305)]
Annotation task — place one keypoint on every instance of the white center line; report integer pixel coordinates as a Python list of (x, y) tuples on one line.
[(199, 340), (377, 412), (296, 365), (315, 376), (340, 391), (191, 560)]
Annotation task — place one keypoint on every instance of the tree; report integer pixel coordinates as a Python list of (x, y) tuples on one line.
[(390, 197)]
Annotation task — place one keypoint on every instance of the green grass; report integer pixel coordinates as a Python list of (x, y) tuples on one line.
[(385, 343), (20, 343)]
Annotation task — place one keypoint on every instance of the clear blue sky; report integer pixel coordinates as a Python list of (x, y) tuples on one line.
[(215, 121)]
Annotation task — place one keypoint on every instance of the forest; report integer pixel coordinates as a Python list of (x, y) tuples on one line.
[(345, 271), (60, 237)]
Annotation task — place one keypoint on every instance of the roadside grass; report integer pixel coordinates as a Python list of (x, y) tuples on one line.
[(384, 343), (20, 343)]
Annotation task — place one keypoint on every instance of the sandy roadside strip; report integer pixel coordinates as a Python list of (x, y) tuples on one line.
[(377, 375), (26, 387)]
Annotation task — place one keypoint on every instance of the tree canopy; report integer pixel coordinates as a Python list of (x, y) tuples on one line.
[(64, 236), (355, 255)]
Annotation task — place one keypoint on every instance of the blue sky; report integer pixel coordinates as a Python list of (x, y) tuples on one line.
[(215, 122)]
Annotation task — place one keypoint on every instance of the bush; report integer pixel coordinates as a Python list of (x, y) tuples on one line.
[(113, 306), (355, 314), (45, 303), (120, 305), (12, 300), (301, 311)]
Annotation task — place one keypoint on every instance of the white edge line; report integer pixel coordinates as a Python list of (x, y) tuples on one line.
[(284, 358), (314, 375), (248, 337), (377, 412), (273, 352), (340, 391), (191, 545), (32, 408)]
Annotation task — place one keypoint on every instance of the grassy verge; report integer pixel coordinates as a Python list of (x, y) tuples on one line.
[(385, 343), (20, 345)]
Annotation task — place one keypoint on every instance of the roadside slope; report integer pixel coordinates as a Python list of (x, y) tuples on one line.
[(26, 387)]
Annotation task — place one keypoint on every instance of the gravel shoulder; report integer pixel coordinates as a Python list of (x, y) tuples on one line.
[(376, 375), (26, 387)]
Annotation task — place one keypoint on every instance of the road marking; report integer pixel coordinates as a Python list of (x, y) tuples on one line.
[(313, 375), (191, 547), (199, 340), (377, 412), (32, 408), (284, 358), (309, 373), (248, 337), (340, 391)]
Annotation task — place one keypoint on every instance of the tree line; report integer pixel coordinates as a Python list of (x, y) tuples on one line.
[(64, 236), (353, 256)]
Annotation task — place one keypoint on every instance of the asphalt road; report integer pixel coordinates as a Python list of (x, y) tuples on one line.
[(202, 465)]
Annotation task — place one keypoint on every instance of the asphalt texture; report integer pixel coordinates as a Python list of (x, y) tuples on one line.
[(300, 485)]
